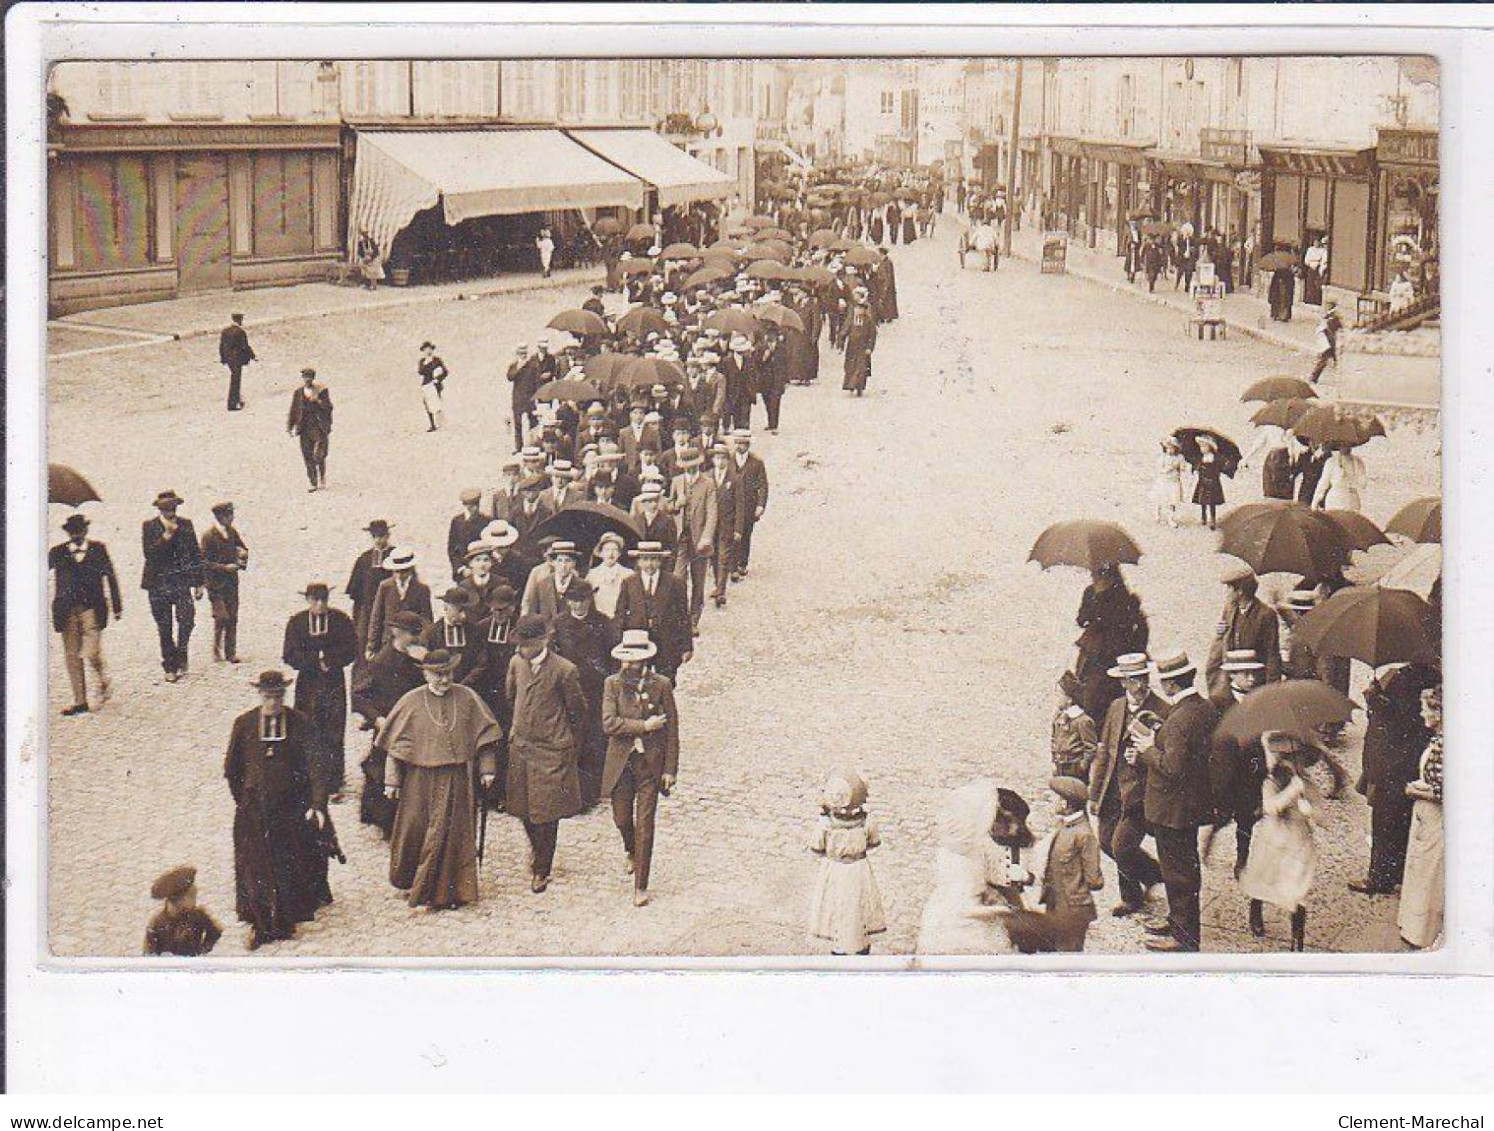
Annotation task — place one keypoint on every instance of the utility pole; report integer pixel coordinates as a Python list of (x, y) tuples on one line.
[(1011, 164)]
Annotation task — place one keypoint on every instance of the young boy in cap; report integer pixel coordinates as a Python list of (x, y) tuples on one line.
[(1072, 874), (180, 928), (1074, 736)]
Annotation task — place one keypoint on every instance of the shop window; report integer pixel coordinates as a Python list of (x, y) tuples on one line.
[(111, 214), (281, 188), (1410, 222), (1347, 257), (1317, 205), (1286, 209)]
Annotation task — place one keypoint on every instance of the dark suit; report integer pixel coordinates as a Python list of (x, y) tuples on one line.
[(1237, 772), (362, 587), (631, 777), (80, 609), (235, 352), (1394, 739), (632, 444), (1117, 791), (310, 418), (387, 602), (1179, 799), (525, 378), (588, 642), (665, 614), (173, 568), (220, 555), (1249, 624), (525, 523), (752, 476), (376, 689), (321, 685), (729, 510), (462, 532), (697, 507)]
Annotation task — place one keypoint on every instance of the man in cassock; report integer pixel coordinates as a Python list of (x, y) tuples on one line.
[(433, 735), (549, 712), (884, 289), (586, 638), (280, 874), (460, 630), (860, 340), (319, 645), (394, 670)]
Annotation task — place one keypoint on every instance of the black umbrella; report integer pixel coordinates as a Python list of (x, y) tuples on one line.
[(1296, 707), (1420, 520), (568, 389), (585, 523), (1276, 260), (1229, 451), (66, 486)]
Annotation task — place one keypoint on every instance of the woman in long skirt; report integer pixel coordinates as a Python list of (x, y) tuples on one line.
[(433, 376), (1283, 858), (1343, 478), (860, 339), (1423, 884)]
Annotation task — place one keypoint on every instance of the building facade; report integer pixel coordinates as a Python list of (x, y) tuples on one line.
[(169, 178)]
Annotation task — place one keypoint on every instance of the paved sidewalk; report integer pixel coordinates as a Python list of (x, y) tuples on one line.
[(204, 314)]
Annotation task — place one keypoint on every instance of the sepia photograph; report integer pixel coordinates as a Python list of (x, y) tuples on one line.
[(886, 513)]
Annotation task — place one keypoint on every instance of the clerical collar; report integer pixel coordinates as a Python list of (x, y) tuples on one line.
[(272, 727), (1071, 819), (318, 623)]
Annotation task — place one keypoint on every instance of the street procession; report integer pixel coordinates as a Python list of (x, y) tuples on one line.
[(875, 562)]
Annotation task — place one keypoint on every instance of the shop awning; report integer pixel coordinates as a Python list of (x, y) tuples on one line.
[(1320, 161), (397, 173), (678, 177)]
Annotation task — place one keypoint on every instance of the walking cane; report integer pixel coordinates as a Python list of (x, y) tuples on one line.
[(482, 827)]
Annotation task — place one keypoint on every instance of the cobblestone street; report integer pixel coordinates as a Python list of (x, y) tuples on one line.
[(890, 623)]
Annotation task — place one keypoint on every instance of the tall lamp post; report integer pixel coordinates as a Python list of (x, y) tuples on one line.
[(1011, 164)]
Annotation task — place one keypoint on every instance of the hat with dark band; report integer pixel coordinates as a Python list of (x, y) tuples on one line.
[(168, 499), (1241, 660), (271, 680), (532, 627), (635, 646), (75, 524), (1131, 665), (1174, 665), (407, 621), (316, 591), (379, 527), (648, 550)]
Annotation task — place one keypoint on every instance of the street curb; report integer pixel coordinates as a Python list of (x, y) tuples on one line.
[(1124, 288), (536, 284)]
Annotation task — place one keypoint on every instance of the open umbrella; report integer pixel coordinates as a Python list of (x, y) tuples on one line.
[(1229, 451), (640, 232), (568, 389), (1360, 531), (580, 322), (1370, 623), (770, 269), (607, 226), (1275, 388), (1158, 228), (1413, 566), (780, 316), (862, 256), (762, 251), (1284, 537), (710, 273), (645, 372), (680, 251), (775, 234), (643, 320), (780, 246), (1282, 413), (757, 222), (1419, 520), (731, 247), (585, 523), (817, 276), (603, 369), (732, 321), (637, 266), (1329, 424), (66, 486), (1296, 707), (1086, 543), (1276, 260)]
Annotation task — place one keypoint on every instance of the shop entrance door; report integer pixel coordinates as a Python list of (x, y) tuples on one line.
[(202, 222)]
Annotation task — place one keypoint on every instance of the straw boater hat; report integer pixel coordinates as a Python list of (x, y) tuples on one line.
[(739, 344), (529, 454), (742, 435), (400, 557), (561, 546), (635, 646), (1130, 665), (511, 463), (499, 534), (561, 467), (1174, 664), (651, 489), (648, 550), (689, 458), (1241, 660), (1302, 600)]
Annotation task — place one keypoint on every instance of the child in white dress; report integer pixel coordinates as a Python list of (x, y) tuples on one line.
[(1167, 487), (845, 908)]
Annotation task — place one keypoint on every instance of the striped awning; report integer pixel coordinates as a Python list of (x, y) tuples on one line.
[(1318, 162), (397, 173), (678, 177)]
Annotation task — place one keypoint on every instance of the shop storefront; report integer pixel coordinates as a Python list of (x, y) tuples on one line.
[(144, 212), (1309, 194), (1118, 185), (1409, 198), (1216, 190)]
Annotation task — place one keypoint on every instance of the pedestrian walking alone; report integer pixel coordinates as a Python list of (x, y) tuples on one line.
[(845, 907), (82, 571), (1283, 859), (235, 352), (1327, 340), (224, 557), (310, 420), (545, 244), (433, 374), (172, 580), (860, 333)]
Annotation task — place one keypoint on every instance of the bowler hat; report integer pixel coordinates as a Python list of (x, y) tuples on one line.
[(379, 526), (316, 591), (173, 884), (579, 590), (456, 595), (407, 621), (502, 595), (532, 627), (168, 499), (75, 524)]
